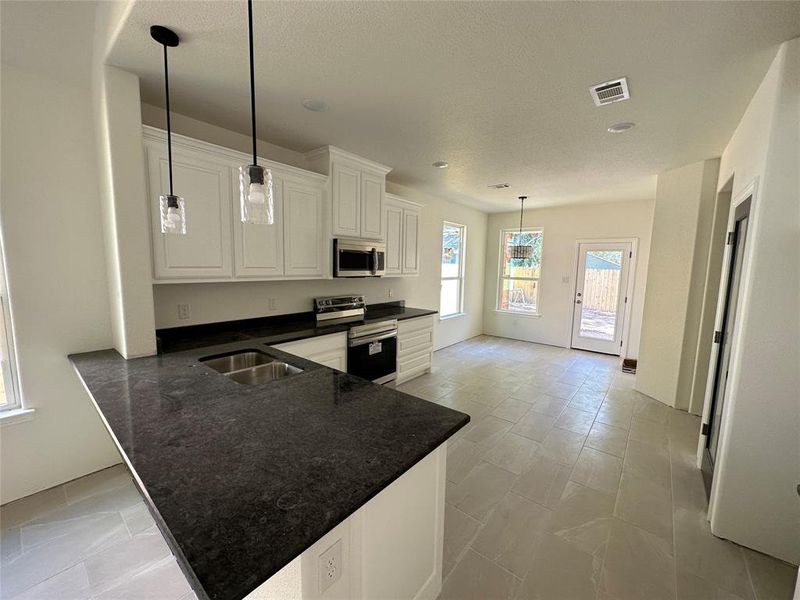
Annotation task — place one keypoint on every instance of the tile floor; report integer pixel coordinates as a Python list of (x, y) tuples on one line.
[(570, 485), (566, 485), (90, 538)]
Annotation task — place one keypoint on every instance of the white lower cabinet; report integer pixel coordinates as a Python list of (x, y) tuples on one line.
[(391, 548), (414, 347), (328, 350), (401, 224)]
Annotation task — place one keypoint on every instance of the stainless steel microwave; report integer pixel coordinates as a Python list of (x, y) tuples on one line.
[(358, 258)]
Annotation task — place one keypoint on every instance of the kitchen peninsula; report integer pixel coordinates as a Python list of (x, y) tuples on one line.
[(331, 482)]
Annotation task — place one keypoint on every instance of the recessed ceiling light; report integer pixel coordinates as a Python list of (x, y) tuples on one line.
[(314, 105), (621, 127), (440, 164), (500, 186)]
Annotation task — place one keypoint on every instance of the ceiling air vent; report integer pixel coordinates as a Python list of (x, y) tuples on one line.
[(610, 91), (500, 186)]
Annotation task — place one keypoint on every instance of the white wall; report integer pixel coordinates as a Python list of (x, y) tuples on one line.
[(52, 235), (754, 500), (563, 226), (679, 249)]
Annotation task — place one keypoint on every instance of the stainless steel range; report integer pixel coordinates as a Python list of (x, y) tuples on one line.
[(371, 347)]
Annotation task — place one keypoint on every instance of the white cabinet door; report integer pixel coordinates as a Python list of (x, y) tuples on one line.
[(394, 238), (258, 249), (205, 252), (303, 235), (410, 241), (372, 193), (346, 189)]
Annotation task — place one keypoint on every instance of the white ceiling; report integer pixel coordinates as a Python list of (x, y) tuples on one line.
[(497, 89)]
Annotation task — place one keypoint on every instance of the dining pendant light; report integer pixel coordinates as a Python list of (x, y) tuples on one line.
[(255, 182), (173, 209), (521, 251)]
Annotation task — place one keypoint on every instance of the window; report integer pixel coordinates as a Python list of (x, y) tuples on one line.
[(451, 301), (519, 277), (9, 399)]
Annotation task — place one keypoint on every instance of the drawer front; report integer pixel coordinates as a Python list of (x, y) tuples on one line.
[(414, 341), (414, 361), (411, 325)]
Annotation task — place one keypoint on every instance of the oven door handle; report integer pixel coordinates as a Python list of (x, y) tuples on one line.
[(372, 338)]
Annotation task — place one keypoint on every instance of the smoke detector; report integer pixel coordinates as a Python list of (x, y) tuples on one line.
[(609, 92), (500, 186)]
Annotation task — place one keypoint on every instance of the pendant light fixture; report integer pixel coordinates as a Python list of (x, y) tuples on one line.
[(173, 210), (521, 251), (255, 182)]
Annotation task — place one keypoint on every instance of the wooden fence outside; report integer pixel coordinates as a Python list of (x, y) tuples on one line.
[(601, 289)]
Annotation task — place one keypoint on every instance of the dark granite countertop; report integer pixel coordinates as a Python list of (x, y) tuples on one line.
[(275, 330), (243, 478)]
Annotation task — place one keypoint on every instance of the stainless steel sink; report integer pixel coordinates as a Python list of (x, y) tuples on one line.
[(228, 363), (264, 373), (250, 367)]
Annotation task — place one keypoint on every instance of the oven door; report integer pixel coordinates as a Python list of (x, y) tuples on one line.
[(373, 357), (358, 259)]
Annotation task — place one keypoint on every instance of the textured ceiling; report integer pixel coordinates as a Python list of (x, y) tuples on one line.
[(497, 89)]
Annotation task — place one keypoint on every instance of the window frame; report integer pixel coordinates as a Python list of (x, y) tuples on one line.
[(461, 270), (501, 277), (14, 404)]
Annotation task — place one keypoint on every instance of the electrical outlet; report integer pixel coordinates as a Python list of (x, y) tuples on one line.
[(271, 304), (330, 566), (183, 311), (565, 279), (391, 293)]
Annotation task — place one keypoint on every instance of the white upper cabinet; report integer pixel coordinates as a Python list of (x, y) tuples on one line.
[(258, 249), (204, 182), (346, 186), (402, 224), (217, 245), (394, 237), (303, 231), (357, 188), (411, 240), (372, 196)]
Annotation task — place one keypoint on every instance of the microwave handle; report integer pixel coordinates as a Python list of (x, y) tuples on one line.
[(374, 261)]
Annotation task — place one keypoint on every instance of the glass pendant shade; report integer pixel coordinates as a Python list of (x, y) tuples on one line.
[(173, 215), (255, 195)]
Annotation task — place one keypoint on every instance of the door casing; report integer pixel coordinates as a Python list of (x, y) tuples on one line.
[(750, 192)]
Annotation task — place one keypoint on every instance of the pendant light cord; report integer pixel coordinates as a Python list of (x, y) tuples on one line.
[(252, 80), (521, 208), (169, 123)]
